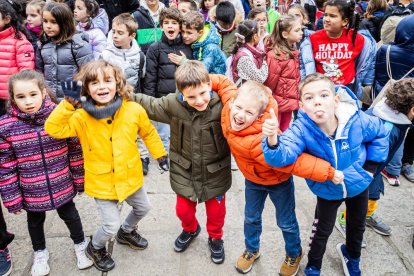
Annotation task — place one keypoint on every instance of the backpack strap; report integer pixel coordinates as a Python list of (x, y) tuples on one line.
[(73, 54)]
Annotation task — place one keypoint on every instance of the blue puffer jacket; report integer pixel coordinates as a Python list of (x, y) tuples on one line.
[(359, 138), (207, 50), (401, 55), (306, 60)]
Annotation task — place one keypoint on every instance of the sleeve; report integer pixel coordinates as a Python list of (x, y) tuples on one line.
[(208, 57), (76, 163), (375, 138), (99, 44), (247, 70), (274, 73), (151, 78), (84, 54), (132, 5), (224, 87), (157, 108), (25, 55), (9, 182), (61, 122)]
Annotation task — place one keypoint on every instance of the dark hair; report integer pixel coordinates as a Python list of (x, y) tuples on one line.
[(170, 13), (276, 39), (255, 11), (12, 9), (92, 9), (400, 95), (347, 11), (225, 12), (312, 78), (193, 20), (320, 4), (64, 18), (193, 4), (203, 6), (245, 33)]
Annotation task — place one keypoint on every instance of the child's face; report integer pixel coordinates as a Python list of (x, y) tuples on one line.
[(4, 21), (261, 20), (319, 102), (27, 96), (80, 12), (152, 3), (296, 13), (34, 18), (198, 97), (184, 7), (103, 89), (50, 26), (259, 4), (333, 23), (244, 111), (190, 35), (121, 37), (171, 28), (295, 34), (209, 4)]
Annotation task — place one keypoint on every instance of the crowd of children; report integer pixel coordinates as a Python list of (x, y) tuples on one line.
[(89, 91)]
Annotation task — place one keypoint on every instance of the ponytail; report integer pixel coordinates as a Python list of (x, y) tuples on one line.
[(244, 33)]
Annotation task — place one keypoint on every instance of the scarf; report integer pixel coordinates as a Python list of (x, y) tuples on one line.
[(103, 112), (36, 29)]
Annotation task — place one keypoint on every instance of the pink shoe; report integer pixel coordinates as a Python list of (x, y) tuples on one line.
[(391, 179)]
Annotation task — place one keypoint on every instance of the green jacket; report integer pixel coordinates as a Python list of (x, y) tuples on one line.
[(199, 154), (272, 17)]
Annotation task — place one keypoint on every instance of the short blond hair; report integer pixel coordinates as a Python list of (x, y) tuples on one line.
[(315, 77), (127, 20), (258, 91), (191, 74)]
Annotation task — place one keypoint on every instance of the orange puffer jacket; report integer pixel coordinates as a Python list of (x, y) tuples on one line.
[(246, 147), (15, 56)]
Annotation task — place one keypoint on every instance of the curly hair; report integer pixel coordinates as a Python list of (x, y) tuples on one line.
[(193, 20), (400, 95)]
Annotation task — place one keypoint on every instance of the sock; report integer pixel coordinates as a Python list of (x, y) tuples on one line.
[(372, 207), (344, 214)]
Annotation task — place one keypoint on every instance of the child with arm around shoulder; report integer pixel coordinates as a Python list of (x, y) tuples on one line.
[(199, 154), (39, 173), (331, 126), (108, 125)]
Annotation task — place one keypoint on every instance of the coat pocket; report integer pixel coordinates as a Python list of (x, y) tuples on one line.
[(98, 168), (179, 160), (217, 166)]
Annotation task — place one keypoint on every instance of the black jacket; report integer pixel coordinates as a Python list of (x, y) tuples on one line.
[(116, 7), (372, 25), (159, 78)]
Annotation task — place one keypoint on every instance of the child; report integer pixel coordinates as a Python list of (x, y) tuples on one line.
[(34, 20), (242, 120), (108, 125), (272, 14), (62, 51), (184, 6), (226, 23), (373, 18), (204, 40), (299, 12), (199, 154), (16, 51), (94, 21), (248, 62), (331, 126), (205, 6), (283, 61), (260, 16), (39, 173)]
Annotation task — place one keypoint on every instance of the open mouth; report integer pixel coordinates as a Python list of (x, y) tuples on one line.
[(103, 94), (171, 32), (238, 122)]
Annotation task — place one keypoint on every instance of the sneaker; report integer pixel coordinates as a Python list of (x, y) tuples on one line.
[(217, 250), (185, 239), (391, 179), (245, 262), (83, 261), (40, 266), (350, 265), (101, 258), (133, 239), (408, 171), (340, 225), (145, 165), (290, 265), (5, 262), (312, 271), (376, 223)]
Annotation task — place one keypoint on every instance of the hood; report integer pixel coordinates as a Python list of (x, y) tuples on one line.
[(101, 21), (383, 111), (404, 35), (133, 51), (210, 36)]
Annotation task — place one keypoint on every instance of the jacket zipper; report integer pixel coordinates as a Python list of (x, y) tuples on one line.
[(344, 193), (46, 170)]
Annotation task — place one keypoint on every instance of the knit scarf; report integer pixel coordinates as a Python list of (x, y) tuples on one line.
[(37, 118), (103, 112), (36, 29)]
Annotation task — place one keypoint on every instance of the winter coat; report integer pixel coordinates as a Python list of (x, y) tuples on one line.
[(148, 30), (199, 154), (113, 168), (401, 55), (306, 60), (34, 33), (372, 25), (246, 147), (59, 62), (207, 50), (97, 39), (391, 19), (228, 42), (359, 138), (126, 59), (252, 67), (160, 77), (116, 7), (283, 79), (15, 56), (272, 17), (101, 21), (37, 172)]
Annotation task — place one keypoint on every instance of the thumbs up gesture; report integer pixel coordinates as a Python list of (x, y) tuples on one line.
[(270, 128)]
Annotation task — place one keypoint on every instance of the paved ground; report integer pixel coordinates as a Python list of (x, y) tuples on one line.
[(383, 256)]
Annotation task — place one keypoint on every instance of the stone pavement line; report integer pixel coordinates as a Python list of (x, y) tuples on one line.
[(406, 262)]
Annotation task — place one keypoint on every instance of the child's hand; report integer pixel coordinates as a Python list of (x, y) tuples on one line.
[(18, 212), (71, 89), (338, 177), (163, 164), (270, 128), (177, 59)]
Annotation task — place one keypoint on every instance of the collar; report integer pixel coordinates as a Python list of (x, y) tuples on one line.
[(223, 31)]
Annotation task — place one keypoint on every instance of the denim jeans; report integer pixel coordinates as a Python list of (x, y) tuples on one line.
[(395, 164), (283, 197), (164, 133)]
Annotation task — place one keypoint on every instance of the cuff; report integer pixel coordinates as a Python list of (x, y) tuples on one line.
[(370, 166), (272, 147)]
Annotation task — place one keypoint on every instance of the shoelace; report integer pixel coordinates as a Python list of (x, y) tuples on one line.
[(290, 261), (247, 255), (103, 253)]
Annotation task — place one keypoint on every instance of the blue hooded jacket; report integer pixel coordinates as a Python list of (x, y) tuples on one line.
[(359, 138)]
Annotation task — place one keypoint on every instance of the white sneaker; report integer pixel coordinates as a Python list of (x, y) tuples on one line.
[(40, 266), (83, 261)]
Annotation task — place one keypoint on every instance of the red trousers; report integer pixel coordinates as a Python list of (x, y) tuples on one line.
[(215, 211), (284, 119)]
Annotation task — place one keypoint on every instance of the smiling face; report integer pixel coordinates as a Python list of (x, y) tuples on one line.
[(80, 12), (103, 89), (190, 35), (333, 23), (198, 97), (245, 109), (34, 18), (171, 28), (121, 37), (50, 26), (27, 96)]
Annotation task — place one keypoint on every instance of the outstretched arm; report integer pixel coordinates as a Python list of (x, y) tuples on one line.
[(224, 87), (158, 109)]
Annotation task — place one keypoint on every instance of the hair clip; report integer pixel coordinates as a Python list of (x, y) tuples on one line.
[(240, 38)]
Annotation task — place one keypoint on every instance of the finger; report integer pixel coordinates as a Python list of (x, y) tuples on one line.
[(181, 52), (272, 114)]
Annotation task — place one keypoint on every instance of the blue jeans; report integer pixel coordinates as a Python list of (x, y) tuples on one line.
[(164, 133), (395, 164), (283, 197)]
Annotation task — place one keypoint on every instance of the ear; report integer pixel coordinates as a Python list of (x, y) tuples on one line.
[(7, 19), (284, 34), (345, 22), (201, 32), (410, 114), (133, 35), (44, 93), (300, 104), (337, 100)]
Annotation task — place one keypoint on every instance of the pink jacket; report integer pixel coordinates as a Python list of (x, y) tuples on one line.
[(15, 56)]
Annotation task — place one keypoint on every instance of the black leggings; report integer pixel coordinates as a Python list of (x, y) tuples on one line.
[(408, 156), (5, 237), (325, 216)]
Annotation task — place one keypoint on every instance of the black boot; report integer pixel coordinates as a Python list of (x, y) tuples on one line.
[(133, 239), (145, 165), (101, 257), (216, 250)]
